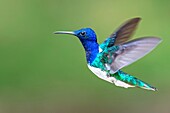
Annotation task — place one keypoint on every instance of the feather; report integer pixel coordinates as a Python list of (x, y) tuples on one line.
[(125, 31), (122, 34), (132, 51)]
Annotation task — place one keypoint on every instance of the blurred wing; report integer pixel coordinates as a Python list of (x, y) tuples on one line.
[(131, 51), (123, 33)]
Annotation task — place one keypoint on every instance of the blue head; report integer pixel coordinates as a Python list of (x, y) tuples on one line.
[(86, 34), (88, 39)]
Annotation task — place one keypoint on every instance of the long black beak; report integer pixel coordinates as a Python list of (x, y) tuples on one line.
[(64, 32)]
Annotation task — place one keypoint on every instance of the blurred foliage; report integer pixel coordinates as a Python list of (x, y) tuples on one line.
[(45, 73)]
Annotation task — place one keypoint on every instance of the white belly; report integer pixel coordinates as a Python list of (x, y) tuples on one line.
[(103, 75)]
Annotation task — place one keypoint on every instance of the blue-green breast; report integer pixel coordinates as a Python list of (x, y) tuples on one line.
[(104, 57)]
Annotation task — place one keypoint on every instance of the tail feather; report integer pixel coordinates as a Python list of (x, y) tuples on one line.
[(131, 80)]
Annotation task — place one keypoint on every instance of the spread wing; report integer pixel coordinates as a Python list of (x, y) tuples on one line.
[(118, 53), (131, 51), (122, 34)]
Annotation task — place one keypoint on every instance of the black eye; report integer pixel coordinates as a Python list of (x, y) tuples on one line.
[(83, 33)]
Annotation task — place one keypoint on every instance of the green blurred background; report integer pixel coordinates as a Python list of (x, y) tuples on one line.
[(45, 73)]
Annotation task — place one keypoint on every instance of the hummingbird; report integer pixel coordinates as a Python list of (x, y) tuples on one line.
[(107, 59)]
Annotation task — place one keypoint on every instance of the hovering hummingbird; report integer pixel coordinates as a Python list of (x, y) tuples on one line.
[(106, 60)]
